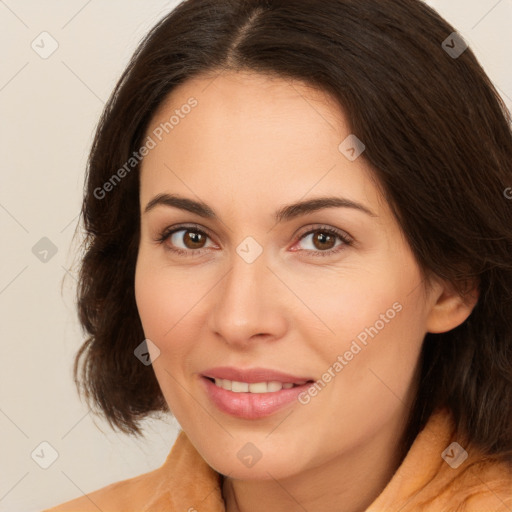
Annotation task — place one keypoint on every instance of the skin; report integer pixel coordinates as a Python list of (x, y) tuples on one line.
[(251, 145)]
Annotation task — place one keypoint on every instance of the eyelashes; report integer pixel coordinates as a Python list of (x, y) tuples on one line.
[(167, 233), (165, 236)]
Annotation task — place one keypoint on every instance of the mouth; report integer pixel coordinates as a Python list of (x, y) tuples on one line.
[(252, 394), (272, 386)]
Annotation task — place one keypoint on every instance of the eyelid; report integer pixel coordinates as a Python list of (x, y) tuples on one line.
[(319, 227), (346, 240), (170, 230), (187, 226)]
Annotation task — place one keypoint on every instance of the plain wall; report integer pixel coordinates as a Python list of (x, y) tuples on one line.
[(48, 110)]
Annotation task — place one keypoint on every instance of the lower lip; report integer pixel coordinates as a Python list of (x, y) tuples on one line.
[(251, 406)]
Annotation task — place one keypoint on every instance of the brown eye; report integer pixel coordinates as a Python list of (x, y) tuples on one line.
[(184, 240), (323, 240), (193, 239)]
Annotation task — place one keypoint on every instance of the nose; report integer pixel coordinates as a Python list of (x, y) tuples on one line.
[(249, 304)]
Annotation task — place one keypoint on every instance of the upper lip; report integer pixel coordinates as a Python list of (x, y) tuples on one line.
[(252, 375)]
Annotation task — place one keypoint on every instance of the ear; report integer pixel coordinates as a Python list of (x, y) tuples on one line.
[(449, 309)]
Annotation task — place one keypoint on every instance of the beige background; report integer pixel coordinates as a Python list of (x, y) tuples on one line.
[(48, 110)]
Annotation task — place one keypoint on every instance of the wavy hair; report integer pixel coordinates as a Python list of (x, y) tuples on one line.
[(438, 138)]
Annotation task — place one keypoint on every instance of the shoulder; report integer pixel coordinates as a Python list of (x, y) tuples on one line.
[(130, 494), (469, 480), (184, 478), (480, 484), (443, 472)]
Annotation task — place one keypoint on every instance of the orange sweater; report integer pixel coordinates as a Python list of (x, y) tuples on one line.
[(425, 481)]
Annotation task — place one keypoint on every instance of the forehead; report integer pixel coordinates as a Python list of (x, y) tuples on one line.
[(251, 135), (226, 89)]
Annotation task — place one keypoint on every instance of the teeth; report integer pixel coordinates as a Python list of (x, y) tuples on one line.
[(274, 386), (239, 387), (254, 387), (258, 387)]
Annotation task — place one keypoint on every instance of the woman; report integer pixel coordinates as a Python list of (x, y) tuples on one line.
[(297, 212)]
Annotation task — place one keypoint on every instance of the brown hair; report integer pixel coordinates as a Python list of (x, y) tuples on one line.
[(437, 135)]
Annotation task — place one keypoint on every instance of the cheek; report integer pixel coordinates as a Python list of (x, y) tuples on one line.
[(168, 301), (151, 296), (160, 299), (346, 304), (380, 353), (378, 318)]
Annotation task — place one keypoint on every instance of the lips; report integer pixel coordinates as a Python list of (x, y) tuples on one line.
[(253, 393), (254, 375)]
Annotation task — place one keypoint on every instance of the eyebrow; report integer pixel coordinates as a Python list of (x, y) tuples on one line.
[(285, 213)]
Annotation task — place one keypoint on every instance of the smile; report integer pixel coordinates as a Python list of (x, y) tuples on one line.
[(254, 387)]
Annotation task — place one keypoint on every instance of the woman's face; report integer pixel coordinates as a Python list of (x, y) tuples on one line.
[(330, 295)]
